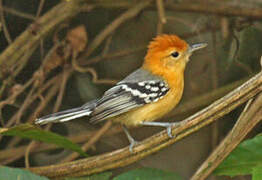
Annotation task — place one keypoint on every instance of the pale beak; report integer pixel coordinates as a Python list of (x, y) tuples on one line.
[(195, 47)]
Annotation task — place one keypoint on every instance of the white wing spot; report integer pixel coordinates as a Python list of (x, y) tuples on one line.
[(148, 86), (143, 95), (163, 89), (154, 89), (141, 83), (161, 84), (151, 82), (153, 95)]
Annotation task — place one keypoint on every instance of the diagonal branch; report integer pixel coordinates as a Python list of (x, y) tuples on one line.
[(123, 157), (244, 125)]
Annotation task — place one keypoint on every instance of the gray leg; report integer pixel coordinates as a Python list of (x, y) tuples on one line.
[(131, 140), (162, 124)]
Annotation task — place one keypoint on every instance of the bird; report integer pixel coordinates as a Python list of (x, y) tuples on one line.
[(147, 94)]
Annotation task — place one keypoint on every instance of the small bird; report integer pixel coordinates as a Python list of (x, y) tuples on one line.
[(145, 95)]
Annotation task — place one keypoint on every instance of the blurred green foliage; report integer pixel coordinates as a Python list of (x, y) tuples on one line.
[(244, 160)]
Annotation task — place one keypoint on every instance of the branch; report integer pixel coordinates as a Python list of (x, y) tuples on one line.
[(192, 105), (250, 116), (123, 157), (244, 125), (218, 8)]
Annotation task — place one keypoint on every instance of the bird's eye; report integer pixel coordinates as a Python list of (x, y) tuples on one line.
[(175, 54)]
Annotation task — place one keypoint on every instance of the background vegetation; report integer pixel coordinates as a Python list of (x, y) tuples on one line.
[(58, 54)]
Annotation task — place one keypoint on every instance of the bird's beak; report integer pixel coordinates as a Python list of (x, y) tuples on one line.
[(195, 47)]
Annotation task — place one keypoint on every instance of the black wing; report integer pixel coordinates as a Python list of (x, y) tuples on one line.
[(126, 96)]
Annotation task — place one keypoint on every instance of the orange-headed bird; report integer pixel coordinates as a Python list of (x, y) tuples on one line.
[(145, 95)]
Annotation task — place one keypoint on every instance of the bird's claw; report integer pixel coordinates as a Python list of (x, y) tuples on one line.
[(169, 129), (132, 145)]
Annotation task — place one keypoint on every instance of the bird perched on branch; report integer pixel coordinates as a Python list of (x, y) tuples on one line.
[(145, 95)]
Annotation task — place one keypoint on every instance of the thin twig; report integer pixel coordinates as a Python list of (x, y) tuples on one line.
[(17, 13), (123, 157), (40, 7), (132, 12), (66, 75), (21, 111), (49, 83), (92, 71), (5, 29), (27, 164), (161, 16), (39, 10), (11, 99), (161, 11)]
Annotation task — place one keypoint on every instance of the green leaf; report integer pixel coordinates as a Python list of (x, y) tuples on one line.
[(101, 176), (148, 173), (7, 173), (257, 173), (243, 160), (32, 132)]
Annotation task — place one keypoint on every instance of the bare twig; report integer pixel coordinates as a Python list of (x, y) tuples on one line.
[(66, 75), (52, 91), (161, 16), (17, 13), (27, 164), (11, 99), (161, 11), (92, 71), (123, 157), (6, 32), (40, 7)]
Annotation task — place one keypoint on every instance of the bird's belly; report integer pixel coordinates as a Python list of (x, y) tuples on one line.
[(150, 112)]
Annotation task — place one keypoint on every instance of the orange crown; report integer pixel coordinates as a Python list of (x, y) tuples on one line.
[(163, 42)]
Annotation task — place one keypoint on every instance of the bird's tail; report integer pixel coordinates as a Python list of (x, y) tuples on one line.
[(66, 115)]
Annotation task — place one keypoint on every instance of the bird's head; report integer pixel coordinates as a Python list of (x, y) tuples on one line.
[(169, 52)]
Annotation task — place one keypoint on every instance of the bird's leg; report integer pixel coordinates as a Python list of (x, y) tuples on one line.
[(167, 125), (131, 140)]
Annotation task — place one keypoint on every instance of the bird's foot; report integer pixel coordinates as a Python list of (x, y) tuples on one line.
[(169, 129), (132, 145)]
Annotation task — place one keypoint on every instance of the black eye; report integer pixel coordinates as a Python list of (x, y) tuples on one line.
[(175, 54)]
